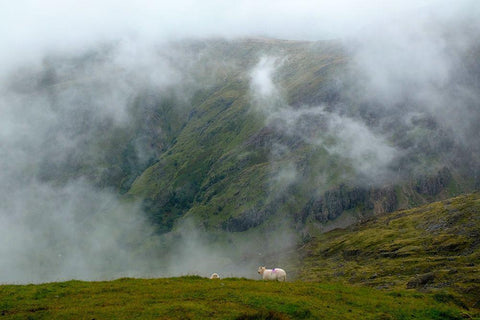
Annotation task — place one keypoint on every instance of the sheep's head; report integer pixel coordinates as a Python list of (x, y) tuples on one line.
[(261, 270)]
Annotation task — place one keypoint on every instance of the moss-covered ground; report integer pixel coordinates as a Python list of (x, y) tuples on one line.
[(434, 248), (193, 297)]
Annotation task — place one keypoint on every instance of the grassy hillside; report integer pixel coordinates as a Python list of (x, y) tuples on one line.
[(200, 298), (236, 161), (208, 144), (219, 168), (429, 248)]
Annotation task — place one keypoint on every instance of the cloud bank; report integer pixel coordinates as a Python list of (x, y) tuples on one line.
[(29, 28)]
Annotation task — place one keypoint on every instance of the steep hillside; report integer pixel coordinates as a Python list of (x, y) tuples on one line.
[(433, 247), (307, 149), (219, 168), (236, 133)]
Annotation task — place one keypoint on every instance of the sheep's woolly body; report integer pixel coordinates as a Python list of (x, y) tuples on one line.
[(273, 274)]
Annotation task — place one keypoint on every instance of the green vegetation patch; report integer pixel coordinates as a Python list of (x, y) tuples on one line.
[(199, 298), (429, 249)]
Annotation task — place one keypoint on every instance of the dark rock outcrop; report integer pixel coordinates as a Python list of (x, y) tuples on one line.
[(421, 280), (433, 185), (368, 201), (337, 200)]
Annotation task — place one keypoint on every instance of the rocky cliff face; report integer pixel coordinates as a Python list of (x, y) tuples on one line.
[(375, 200), (356, 199), (433, 185)]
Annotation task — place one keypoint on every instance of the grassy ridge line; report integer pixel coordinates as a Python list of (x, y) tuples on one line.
[(199, 298), (430, 247)]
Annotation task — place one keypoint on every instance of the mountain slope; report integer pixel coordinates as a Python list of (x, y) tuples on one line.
[(428, 248), (306, 149), (220, 165), (238, 133)]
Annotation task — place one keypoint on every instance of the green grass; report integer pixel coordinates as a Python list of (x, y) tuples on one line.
[(199, 298), (431, 248)]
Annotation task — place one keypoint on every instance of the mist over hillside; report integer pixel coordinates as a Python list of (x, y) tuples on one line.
[(145, 154)]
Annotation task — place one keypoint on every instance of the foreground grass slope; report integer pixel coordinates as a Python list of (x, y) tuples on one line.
[(200, 298), (433, 247)]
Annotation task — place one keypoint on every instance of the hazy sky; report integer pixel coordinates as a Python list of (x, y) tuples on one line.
[(29, 27)]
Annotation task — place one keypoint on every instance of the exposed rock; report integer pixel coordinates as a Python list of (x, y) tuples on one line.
[(383, 200), (251, 218), (337, 200), (367, 201), (342, 198), (432, 185), (246, 220), (421, 280), (347, 254)]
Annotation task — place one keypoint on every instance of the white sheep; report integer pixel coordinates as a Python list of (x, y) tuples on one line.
[(273, 274), (214, 276)]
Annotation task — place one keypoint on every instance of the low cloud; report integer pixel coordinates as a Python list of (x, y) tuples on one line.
[(422, 63), (193, 250), (57, 222), (75, 231), (261, 78), (265, 93), (369, 153), (365, 149)]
